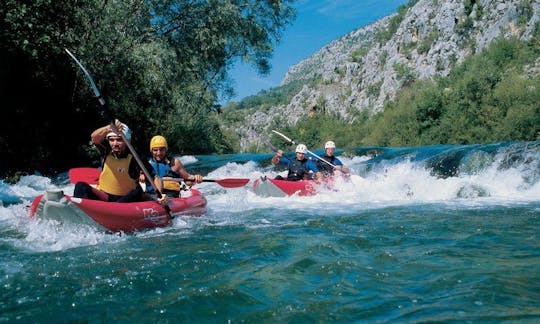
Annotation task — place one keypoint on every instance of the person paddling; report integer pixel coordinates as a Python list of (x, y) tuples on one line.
[(300, 168), (120, 175), (327, 169), (166, 166)]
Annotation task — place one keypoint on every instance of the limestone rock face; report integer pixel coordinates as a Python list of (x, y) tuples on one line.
[(363, 69)]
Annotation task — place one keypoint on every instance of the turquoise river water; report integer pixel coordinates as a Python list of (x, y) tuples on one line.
[(422, 234)]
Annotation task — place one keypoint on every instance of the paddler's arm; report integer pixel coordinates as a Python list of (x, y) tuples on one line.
[(313, 167), (276, 158), (338, 165), (178, 167), (98, 136)]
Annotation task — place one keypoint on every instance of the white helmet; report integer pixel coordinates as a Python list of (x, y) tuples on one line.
[(125, 130), (301, 148), (329, 144)]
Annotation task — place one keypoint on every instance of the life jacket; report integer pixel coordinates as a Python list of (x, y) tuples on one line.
[(164, 169), (325, 168), (115, 179), (297, 170)]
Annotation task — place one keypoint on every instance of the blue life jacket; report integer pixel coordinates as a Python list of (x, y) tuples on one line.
[(164, 169), (325, 168), (297, 170)]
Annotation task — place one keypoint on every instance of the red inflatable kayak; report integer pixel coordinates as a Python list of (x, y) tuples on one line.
[(267, 187), (116, 217)]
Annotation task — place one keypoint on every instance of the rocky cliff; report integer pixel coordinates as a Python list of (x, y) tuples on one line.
[(363, 69)]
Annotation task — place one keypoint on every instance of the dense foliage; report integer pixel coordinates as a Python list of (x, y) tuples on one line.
[(490, 97), (160, 64), (271, 97)]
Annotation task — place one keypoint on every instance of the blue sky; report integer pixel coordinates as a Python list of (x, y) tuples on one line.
[(318, 22)]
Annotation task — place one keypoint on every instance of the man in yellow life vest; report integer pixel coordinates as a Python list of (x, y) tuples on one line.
[(120, 175), (169, 167)]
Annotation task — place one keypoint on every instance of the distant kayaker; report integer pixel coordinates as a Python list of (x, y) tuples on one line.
[(301, 168), (120, 175), (168, 166), (334, 164)]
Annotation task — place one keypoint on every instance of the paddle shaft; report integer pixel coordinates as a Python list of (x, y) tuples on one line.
[(113, 126), (227, 183), (181, 179), (139, 162), (292, 142), (270, 145)]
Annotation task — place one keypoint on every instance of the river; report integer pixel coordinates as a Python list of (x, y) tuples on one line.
[(421, 234)]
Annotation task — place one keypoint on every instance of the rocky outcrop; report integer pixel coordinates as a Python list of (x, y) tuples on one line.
[(363, 69)]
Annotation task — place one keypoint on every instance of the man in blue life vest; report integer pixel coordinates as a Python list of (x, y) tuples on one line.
[(169, 167), (120, 175), (334, 164), (301, 168)]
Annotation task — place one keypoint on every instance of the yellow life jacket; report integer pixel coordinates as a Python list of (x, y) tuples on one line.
[(171, 185), (115, 179)]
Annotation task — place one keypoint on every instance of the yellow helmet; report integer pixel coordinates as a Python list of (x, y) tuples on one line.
[(158, 141)]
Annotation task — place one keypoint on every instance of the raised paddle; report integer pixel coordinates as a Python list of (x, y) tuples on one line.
[(270, 145), (91, 176), (119, 132), (292, 142)]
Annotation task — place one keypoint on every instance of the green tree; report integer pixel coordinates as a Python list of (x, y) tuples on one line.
[(159, 63)]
